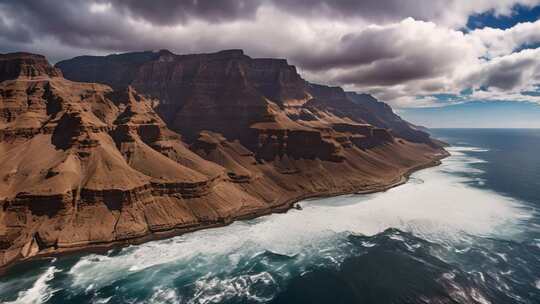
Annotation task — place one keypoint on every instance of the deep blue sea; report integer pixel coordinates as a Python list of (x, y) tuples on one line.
[(467, 231)]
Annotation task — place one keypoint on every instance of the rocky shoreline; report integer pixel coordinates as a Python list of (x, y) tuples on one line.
[(177, 143), (286, 206)]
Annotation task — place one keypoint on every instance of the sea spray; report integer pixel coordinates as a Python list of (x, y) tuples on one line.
[(40, 292), (439, 218)]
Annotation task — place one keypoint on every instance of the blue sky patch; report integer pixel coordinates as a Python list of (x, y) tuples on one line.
[(477, 114), (489, 19)]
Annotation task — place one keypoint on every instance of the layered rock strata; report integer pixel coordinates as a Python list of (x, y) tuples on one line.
[(153, 144)]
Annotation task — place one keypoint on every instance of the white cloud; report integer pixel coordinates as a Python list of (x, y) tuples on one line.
[(415, 58), (100, 7), (502, 42), (368, 46), (456, 12), (511, 73)]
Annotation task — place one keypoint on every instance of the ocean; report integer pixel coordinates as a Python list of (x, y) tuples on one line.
[(467, 231)]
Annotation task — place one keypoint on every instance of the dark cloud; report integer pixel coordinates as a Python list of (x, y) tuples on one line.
[(12, 30), (390, 55), (353, 49), (171, 12), (74, 24), (68, 21), (373, 10), (364, 44), (389, 72), (70, 25), (507, 77), (509, 72)]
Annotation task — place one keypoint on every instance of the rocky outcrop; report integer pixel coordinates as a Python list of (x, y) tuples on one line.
[(227, 91), (168, 143), (15, 65), (372, 111)]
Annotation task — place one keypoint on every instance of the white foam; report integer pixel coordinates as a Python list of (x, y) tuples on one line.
[(215, 290), (443, 207), (478, 297), (102, 301), (466, 149), (164, 296), (40, 292)]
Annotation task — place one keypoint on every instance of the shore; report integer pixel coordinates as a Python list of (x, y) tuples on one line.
[(281, 208)]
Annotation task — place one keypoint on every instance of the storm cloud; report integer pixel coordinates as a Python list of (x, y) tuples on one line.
[(402, 51), (172, 12)]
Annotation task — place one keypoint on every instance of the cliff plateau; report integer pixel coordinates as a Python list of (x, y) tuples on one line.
[(124, 148)]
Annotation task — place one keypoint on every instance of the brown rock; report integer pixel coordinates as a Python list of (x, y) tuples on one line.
[(214, 138)]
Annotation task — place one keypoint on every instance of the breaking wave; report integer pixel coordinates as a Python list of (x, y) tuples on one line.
[(438, 239)]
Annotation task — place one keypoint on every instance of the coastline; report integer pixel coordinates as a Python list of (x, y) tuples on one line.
[(281, 208)]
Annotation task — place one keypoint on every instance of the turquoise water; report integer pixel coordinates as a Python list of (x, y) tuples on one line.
[(465, 232)]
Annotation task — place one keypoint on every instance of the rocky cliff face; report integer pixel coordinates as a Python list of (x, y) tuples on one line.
[(200, 91), (169, 143), (25, 65)]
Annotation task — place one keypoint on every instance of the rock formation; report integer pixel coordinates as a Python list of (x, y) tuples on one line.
[(229, 91), (152, 144)]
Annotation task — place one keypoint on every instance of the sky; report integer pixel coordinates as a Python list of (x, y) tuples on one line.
[(451, 63)]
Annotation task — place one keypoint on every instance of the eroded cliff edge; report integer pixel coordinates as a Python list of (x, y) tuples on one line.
[(152, 144)]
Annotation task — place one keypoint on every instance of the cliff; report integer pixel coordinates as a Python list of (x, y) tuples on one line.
[(25, 65), (153, 144), (230, 88)]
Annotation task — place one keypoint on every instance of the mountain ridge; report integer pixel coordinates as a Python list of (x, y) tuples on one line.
[(187, 145), (76, 70)]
